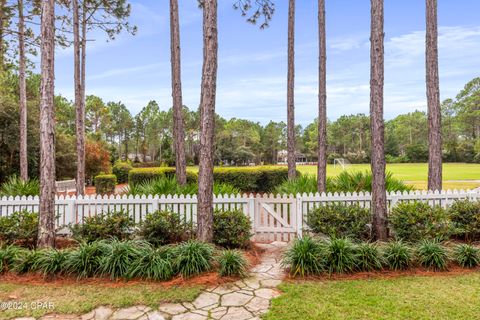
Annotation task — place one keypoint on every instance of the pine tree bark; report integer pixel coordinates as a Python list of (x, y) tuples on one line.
[(79, 105), (292, 170), (433, 99), (22, 85), (2, 34), (46, 226), (207, 121), (322, 100), (178, 126), (379, 196)]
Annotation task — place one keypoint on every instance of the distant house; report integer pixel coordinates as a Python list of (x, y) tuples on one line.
[(134, 157), (282, 157)]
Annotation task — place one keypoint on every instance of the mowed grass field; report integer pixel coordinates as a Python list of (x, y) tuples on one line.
[(411, 297)]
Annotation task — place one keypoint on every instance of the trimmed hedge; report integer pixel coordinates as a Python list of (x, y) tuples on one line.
[(121, 170), (139, 175), (105, 183), (20, 228)]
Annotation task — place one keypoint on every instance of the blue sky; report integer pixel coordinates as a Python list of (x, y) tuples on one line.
[(253, 62)]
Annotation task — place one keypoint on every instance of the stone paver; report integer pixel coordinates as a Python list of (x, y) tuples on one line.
[(246, 299)]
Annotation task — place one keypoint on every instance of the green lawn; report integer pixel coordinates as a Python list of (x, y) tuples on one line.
[(412, 297), (79, 298)]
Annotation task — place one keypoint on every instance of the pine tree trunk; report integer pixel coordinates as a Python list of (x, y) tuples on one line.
[(322, 100), (79, 105), (178, 126), (207, 121), (292, 172), (46, 226), (22, 85), (379, 196), (433, 99), (2, 34)]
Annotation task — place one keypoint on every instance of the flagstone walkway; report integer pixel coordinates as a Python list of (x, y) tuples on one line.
[(241, 300)]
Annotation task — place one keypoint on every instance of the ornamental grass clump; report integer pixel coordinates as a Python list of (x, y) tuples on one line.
[(192, 258), (153, 264), (305, 257), (397, 255), (467, 256), (340, 255), (232, 263), (25, 261), (51, 261), (432, 255), (85, 260), (118, 257), (8, 255), (369, 257)]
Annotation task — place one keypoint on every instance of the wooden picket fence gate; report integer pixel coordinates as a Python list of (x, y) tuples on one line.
[(274, 217)]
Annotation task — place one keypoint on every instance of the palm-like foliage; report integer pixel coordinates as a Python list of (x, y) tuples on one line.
[(14, 186), (467, 256), (153, 264), (192, 258), (232, 263), (431, 254), (369, 257), (169, 185), (304, 257), (398, 256)]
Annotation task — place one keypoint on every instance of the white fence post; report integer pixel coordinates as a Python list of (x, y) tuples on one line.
[(299, 217)]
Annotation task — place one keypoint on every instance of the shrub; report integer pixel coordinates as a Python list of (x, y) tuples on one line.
[(397, 255), (163, 227), (467, 256), (25, 261), (19, 228), (362, 181), (340, 220), (121, 170), (304, 183), (105, 184), (224, 189), (153, 264), (340, 255), (232, 263), (85, 260), (139, 175), (465, 215), (413, 221), (14, 186), (8, 255), (431, 254), (118, 258), (192, 258), (51, 261), (97, 158), (231, 229), (369, 257), (116, 224), (304, 257)]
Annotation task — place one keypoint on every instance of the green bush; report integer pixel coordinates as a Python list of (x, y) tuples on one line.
[(105, 184), (139, 175), (85, 260), (305, 257), (303, 184), (431, 254), (19, 228), (340, 255), (121, 170), (231, 229), (117, 224), (413, 221), (169, 186), (369, 257), (51, 261), (397, 255), (163, 227), (153, 264), (362, 181), (232, 263), (25, 261), (118, 258), (14, 186), (467, 256), (192, 258), (465, 216), (340, 220), (8, 255)]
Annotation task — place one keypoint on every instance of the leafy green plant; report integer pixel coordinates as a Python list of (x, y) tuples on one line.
[(362, 181), (224, 189), (19, 228), (467, 256), (121, 170), (304, 257), (153, 264), (304, 183), (105, 184), (84, 261), (25, 261), (232, 263), (15, 186), (413, 221), (8, 255), (117, 224), (465, 215), (163, 227), (231, 229), (340, 255), (51, 261), (118, 257), (398, 256), (431, 254), (340, 220), (192, 258), (369, 257)]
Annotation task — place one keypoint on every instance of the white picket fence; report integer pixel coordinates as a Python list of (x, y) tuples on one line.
[(274, 217)]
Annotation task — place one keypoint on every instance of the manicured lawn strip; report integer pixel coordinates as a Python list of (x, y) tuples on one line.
[(412, 297), (82, 298)]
